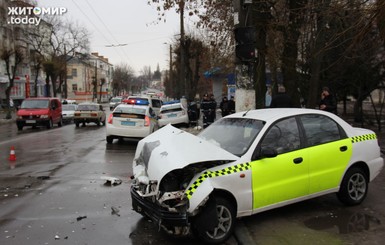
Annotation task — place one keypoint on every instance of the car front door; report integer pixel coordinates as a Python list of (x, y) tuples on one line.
[(329, 152), (283, 175)]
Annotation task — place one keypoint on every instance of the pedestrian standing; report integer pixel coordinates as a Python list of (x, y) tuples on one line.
[(231, 105), (281, 99), (328, 102), (224, 106)]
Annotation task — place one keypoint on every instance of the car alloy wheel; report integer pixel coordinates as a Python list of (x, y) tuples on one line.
[(354, 187), (225, 212)]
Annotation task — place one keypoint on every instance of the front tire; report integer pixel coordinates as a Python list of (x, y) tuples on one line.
[(354, 187), (225, 211), (49, 124), (60, 123)]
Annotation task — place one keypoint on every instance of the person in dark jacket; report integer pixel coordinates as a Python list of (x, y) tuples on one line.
[(327, 103), (224, 106), (206, 107), (281, 99), (231, 105)]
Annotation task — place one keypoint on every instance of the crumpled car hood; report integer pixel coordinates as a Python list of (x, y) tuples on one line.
[(170, 148)]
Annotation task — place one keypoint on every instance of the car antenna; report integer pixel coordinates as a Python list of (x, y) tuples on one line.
[(244, 114)]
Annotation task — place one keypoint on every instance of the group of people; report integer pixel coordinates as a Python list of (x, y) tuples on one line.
[(209, 106), (280, 100), (283, 100)]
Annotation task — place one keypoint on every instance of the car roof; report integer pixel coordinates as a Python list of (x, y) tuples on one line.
[(272, 114), (133, 106), (42, 98), (88, 103)]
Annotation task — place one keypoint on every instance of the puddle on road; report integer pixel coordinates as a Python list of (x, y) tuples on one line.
[(343, 222)]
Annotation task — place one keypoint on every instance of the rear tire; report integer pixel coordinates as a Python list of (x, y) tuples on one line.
[(354, 187), (226, 221), (20, 127), (77, 124), (109, 139)]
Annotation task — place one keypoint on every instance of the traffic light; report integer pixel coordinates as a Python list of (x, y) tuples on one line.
[(245, 52), (245, 35), (245, 38)]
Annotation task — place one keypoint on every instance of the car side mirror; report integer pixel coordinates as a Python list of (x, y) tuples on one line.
[(268, 152)]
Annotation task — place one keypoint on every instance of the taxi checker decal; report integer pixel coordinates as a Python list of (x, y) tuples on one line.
[(209, 174), (365, 137)]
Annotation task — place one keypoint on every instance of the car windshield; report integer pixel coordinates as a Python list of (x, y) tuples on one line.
[(88, 107), (34, 104), (116, 100), (130, 110), (68, 107), (234, 135), (171, 108)]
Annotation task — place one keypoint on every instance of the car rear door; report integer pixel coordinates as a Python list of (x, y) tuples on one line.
[(329, 152)]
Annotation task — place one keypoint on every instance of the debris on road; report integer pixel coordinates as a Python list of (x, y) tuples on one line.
[(111, 180), (115, 211), (81, 217)]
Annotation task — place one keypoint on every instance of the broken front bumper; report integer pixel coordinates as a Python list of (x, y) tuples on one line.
[(157, 213)]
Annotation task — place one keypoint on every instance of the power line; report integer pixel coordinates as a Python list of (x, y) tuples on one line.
[(108, 30), (108, 41)]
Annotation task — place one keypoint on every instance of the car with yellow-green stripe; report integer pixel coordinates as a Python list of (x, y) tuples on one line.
[(247, 163)]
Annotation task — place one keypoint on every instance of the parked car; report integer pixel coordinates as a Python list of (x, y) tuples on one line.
[(89, 112), (154, 102), (135, 120), (247, 163), (114, 102), (173, 113), (68, 111), (39, 111)]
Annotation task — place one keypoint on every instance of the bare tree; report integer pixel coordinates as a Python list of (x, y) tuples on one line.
[(122, 78), (17, 57), (66, 39)]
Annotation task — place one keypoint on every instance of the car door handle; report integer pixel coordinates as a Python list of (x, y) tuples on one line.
[(298, 160), (343, 148)]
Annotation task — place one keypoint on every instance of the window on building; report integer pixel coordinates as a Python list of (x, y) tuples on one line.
[(74, 87), (74, 72)]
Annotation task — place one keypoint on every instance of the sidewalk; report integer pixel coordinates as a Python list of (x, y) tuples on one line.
[(3, 114)]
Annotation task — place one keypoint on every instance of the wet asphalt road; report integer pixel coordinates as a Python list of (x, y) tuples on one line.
[(55, 193)]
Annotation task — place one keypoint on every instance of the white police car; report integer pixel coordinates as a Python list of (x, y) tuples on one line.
[(133, 120), (247, 163)]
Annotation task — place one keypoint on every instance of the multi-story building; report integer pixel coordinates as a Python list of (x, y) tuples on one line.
[(16, 37), (89, 78)]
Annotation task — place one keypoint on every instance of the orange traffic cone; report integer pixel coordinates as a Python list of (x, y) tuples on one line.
[(12, 155)]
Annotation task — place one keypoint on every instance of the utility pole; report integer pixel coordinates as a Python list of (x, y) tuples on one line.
[(95, 81), (170, 75), (182, 46), (250, 22)]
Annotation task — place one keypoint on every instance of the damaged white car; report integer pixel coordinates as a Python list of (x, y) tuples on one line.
[(248, 163)]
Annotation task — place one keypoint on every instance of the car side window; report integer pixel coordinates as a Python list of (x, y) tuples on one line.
[(152, 113), (156, 103), (283, 136), (320, 129)]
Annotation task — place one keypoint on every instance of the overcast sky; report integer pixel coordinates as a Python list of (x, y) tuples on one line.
[(113, 22)]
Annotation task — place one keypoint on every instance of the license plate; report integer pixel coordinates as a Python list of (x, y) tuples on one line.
[(172, 115), (127, 123), (84, 115), (30, 121)]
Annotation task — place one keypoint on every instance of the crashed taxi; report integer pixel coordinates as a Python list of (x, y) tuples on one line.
[(247, 163)]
